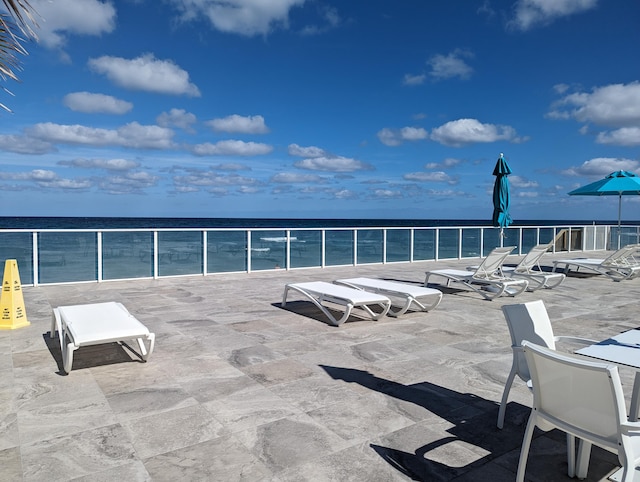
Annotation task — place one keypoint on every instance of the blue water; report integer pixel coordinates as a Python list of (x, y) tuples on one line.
[(248, 223)]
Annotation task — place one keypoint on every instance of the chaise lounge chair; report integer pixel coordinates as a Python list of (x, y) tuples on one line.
[(409, 294), (529, 269), (487, 279), (94, 324), (619, 266), (320, 291)]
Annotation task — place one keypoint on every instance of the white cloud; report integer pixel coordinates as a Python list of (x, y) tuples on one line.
[(293, 177), (386, 194), (437, 176), (417, 79), (626, 136), (179, 118), (333, 164), (96, 103), (530, 13), (46, 179), (145, 73), (129, 183), (395, 137), (244, 17), (130, 135), (330, 19), (24, 145), (601, 166), (231, 148), (521, 182), (310, 151), (215, 182), (451, 65), (448, 162), (108, 164), (64, 17), (466, 131), (239, 124), (616, 105)]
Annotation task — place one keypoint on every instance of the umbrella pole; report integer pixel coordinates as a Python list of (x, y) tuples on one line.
[(619, 216)]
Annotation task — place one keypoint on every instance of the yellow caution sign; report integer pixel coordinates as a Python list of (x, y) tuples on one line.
[(12, 312)]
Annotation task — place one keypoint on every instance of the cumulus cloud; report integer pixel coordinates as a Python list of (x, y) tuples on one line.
[(395, 137), (310, 151), (25, 145), (450, 65), (436, 176), (293, 177), (448, 162), (244, 17), (531, 13), (231, 148), (467, 131), (130, 135), (239, 124), (386, 194), (128, 183), (179, 118), (521, 182), (410, 79), (601, 166), (214, 182), (46, 179), (333, 164), (626, 136), (70, 17), (108, 164), (96, 103), (145, 73)]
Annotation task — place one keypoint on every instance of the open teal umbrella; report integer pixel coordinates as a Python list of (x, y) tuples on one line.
[(619, 183), (501, 216)]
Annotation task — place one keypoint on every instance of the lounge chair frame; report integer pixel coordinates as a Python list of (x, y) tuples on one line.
[(618, 266), (94, 324), (487, 279), (319, 292), (411, 296), (529, 268)]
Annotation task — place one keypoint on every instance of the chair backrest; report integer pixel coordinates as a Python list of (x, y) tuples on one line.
[(528, 321), (621, 256), (493, 262), (532, 258), (577, 395)]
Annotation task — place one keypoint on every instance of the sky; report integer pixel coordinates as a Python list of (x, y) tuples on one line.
[(376, 109)]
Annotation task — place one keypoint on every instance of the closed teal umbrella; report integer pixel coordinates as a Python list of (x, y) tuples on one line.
[(501, 216), (619, 183)]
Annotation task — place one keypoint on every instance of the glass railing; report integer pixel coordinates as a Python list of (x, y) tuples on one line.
[(67, 256)]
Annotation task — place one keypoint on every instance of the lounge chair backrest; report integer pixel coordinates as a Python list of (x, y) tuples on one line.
[(620, 257), (528, 321), (532, 258), (493, 262)]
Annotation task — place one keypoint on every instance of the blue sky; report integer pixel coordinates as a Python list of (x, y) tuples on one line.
[(322, 108)]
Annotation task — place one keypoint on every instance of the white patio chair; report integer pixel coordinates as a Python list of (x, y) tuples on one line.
[(584, 399), (619, 265), (529, 269), (528, 321), (487, 279)]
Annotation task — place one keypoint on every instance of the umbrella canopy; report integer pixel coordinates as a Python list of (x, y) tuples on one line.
[(619, 183), (501, 216)]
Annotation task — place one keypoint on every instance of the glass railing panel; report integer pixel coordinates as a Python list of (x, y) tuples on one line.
[(529, 239), (370, 246), (339, 248), (398, 245), (628, 235), (127, 255), (67, 257), (268, 250), (448, 243), (18, 246), (491, 240), (306, 249), (226, 251), (424, 244), (546, 235), (179, 253), (471, 243)]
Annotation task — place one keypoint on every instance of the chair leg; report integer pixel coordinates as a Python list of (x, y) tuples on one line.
[(571, 455), (505, 396), (582, 464), (526, 445)]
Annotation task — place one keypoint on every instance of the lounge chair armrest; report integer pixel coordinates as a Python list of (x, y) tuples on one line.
[(575, 339), (630, 428)]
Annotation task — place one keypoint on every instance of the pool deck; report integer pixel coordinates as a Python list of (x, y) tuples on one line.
[(240, 389)]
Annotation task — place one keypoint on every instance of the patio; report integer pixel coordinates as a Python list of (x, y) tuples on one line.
[(239, 388)]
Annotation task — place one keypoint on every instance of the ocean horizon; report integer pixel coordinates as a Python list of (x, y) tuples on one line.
[(82, 222)]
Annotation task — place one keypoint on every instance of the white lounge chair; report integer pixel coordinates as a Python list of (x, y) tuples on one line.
[(319, 292), (410, 295), (487, 279), (620, 265), (529, 269), (94, 324)]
